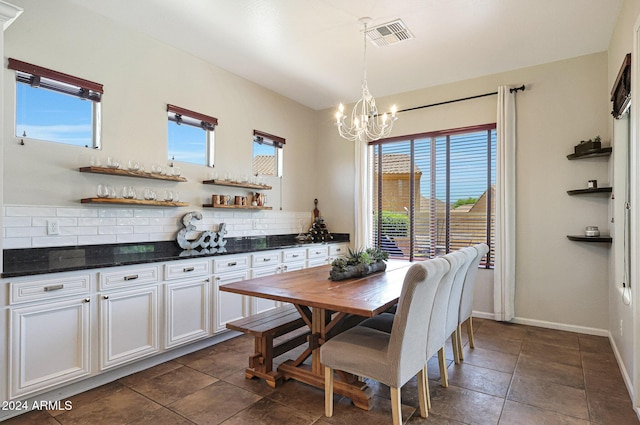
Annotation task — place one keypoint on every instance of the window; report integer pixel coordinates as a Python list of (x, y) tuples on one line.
[(56, 107), (267, 154), (190, 136), (434, 193)]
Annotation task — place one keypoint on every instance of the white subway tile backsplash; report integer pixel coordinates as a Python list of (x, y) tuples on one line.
[(148, 212), (76, 212), (22, 211), (114, 230), (26, 232), (147, 229), (45, 241), (111, 221), (85, 230), (17, 222), (132, 238), (107, 212), (16, 243), (96, 240), (25, 226), (131, 221)]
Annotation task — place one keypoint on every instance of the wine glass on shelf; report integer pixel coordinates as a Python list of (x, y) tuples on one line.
[(102, 191)]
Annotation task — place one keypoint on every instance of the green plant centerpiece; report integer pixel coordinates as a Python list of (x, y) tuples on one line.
[(360, 262)]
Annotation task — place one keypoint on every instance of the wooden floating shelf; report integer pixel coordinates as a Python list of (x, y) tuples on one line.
[(582, 238), (585, 191), (236, 207), (237, 184), (130, 173), (591, 154), (141, 202)]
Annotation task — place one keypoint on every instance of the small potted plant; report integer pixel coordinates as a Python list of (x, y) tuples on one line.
[(360, 262)]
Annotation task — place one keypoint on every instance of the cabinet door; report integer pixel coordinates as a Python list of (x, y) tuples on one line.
[(50, 345), (229, 307), (186, 311), (258, 305), (128, 326)]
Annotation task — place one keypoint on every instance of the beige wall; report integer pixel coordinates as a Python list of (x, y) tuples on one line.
[(140, 77), (559, 283)]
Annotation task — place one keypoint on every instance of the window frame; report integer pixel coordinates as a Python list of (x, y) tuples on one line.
[(376, 226), (59, 82), (183, 116), (270, 140)]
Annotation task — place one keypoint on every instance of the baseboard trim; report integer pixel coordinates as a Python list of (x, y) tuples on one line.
[(628, 382), (548, 325)]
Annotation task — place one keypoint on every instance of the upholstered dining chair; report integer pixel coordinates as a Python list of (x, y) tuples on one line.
[(466, 300), (390, 358), (436, 331), (453, 310)]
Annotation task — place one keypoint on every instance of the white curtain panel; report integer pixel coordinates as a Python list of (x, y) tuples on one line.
[(362, 194), (505, 238)]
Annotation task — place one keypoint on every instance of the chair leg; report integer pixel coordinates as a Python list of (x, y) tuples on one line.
[(459, 336), (328, 391), (396, 411), (423, 388), (470, 332), (455, 346), (426, 387), (444, 374)]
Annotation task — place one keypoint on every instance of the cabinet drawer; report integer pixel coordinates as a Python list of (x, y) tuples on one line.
[(317, 252), (228, 263), (46, 289), (338, 249), (263, 259), (291, 255), (128, 277), (180, 269)]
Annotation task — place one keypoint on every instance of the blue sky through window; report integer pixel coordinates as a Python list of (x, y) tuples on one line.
[(187, 143), (47, 115)]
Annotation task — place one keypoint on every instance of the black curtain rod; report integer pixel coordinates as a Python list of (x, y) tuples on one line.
[(513, 90)]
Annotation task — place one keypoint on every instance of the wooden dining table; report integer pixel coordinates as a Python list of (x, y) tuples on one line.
[(326, 306)]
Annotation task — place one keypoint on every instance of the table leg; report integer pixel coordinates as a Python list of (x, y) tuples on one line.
[(359, 393)]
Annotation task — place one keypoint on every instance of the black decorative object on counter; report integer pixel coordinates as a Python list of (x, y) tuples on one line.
[(319, 231), (358, 263)]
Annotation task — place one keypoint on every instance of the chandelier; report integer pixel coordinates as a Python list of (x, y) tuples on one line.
[(366, 123)]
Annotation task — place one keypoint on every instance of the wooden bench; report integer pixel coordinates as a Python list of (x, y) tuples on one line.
[(265, 327)]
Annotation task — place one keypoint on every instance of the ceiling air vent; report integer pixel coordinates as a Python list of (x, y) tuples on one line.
[(389, 33)]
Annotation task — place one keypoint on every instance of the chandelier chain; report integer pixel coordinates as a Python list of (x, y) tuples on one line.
[(365, 124)]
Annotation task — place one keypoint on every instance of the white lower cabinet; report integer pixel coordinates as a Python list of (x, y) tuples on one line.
[(49, 345), (228, 306), (187, 311), (53, 325), (128, 326)]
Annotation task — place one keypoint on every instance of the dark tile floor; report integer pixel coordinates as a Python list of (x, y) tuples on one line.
[(516, 375)]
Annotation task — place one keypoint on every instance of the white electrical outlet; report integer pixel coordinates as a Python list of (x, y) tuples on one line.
[(621, 328), (52, 227)]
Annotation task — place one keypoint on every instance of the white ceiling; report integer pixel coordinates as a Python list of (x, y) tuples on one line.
[(311, 50)]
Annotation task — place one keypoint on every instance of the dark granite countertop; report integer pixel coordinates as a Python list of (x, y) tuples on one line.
[(33, 261)]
